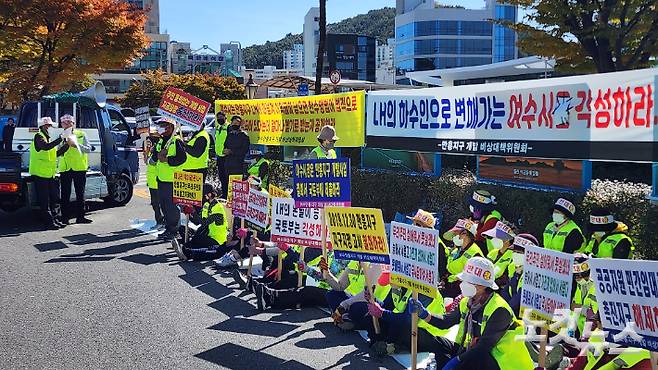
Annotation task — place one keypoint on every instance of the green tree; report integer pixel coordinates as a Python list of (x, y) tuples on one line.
[(46, 46), (590, 35)]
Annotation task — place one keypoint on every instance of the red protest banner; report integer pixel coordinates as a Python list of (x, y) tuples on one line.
[(183, 107)]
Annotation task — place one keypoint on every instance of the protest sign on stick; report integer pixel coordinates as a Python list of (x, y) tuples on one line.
[(240, 194)]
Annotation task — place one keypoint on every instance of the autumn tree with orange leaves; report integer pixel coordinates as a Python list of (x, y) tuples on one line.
[(47, 46)]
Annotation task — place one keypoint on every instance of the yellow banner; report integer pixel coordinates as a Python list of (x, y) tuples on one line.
[(229, 194), (297, 121), (358, 234), (188, 188), (277, 192)]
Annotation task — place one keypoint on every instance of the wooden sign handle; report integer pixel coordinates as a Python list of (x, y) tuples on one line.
[(300, 273), (414, 335), (324, 240), (279, 266), (364, 271)]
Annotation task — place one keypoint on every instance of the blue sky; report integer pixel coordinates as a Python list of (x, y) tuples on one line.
[(251, 22)]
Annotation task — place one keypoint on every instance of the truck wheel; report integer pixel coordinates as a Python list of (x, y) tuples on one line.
[(121, 191)]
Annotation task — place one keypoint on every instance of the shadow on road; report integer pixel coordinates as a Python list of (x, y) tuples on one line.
[(233, 356), (255, 327)]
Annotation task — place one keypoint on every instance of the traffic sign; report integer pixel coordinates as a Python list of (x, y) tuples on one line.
[(302, 89), (334, 77)]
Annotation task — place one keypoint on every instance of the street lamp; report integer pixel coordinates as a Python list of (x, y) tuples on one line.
[(251, 87)]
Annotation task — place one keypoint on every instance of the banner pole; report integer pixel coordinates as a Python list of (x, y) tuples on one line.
[(251, 256), (324, 239), (279, 266), (300, 273), (542, 347), (414, 335), (364, 271), (187, 227)]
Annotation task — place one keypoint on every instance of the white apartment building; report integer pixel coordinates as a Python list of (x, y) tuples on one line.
[(294, 59), (311, 37)]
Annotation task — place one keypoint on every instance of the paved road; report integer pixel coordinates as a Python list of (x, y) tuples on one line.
[(107, 296)]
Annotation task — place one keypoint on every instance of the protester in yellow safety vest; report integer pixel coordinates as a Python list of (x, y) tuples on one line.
[(487, 333), (327, 139), (584, 296), (609, 237), (462, 236), (393, 311), (152, 177), (259, 168), (597, 355), (73, 166), (502, 237), (221, 131), (43, 167), (170, 156), (482, 206), (512, 291), (562, 234), (198, 152), (209, 240)]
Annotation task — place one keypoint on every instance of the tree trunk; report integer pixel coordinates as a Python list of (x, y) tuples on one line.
[(321, 44)]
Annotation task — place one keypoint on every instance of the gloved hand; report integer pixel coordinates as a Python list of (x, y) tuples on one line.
[(301, 266), (323, 264), (452, 363), (283, 246), (375, 310), (242, 233), (413, 306)]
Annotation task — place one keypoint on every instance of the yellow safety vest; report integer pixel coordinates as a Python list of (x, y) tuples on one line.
[(381, 292), (254, 170), (73, 160), (194, 163), (315, 262), (43, 163), (493, 215), (630, 358), (331, 153), (588, 301), (220, 138), (606, 248), (217, 232), (555, 239), (507, 352), (457, 260), (436, 307), (165, 171), (357, 280), (400, 301), (152, 176)]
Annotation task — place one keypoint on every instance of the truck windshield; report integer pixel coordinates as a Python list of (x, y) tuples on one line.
[(86, 117)]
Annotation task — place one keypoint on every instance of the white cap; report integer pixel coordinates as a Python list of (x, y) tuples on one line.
[(46, 121), (479, 271)]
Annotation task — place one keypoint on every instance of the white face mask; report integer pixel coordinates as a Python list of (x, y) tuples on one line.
[(468, 289), (558, 218), (457, 241), (517, 259), (497, 243), (598, 234), (471, 208), (161, 130)]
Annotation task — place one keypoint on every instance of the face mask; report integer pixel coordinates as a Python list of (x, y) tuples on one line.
[(598, 234), (517, 259), (330, 145), (558, 218), (497, 243), (468, 289), (471, 208), (457, 241), (161, 130)]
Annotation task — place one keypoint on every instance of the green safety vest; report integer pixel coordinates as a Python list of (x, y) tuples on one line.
[(43, 163), (400, 301), (316, 262), (194, 163), (216, 232), (630, 358), (73, 160), (588, 301), (254, 170), (357, 278), (435, 308), (606, 248), (457, 260), (331, 153), (381, 292), (152, 176), (220, 138), (555, 240), (503, 262), (493, 215), (507, 352), (165, 171)]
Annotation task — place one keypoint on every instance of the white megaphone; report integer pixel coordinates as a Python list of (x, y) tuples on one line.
[(96, 93)]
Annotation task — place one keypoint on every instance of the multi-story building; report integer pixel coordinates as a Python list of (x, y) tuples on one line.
[(429, 36), (178, 56), (311, 37), (384, 62), (353, 55), (294, 59), (269, 72), (236, 51), (153, 11)]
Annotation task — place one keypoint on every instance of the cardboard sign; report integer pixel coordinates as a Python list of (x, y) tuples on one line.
[(240, 198), (627, 291), (258, 209), (414, 257), (277, 192), (321, 182), (183, 107), (546, 282), (188, 188), (301, 226), (358, 234), (297, 120)]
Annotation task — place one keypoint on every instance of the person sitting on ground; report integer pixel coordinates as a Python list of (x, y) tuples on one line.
[(487, 326), (502, 237), (462, 236), (209, 240), (482, 206), (512, 291), (609, 237)]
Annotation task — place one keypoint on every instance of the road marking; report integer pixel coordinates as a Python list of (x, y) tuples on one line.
[(142, 193)]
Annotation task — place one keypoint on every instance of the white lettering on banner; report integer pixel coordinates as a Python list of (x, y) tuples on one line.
[(257, 208), (296, 225), (627, 294), (546, 281), (506, 118)]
